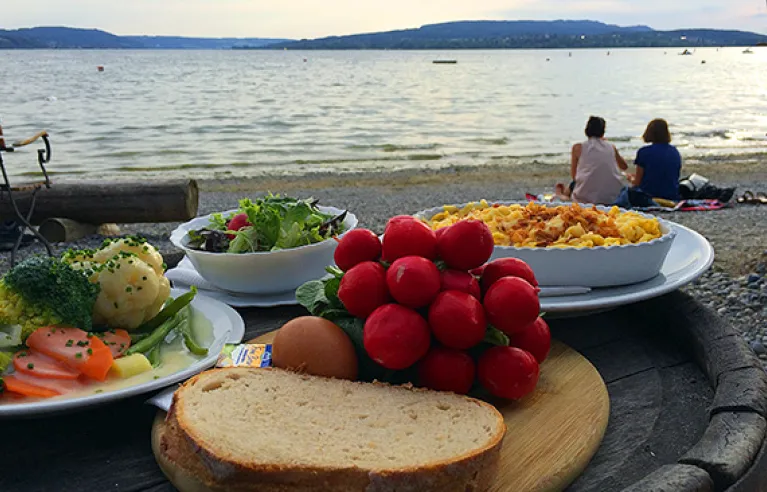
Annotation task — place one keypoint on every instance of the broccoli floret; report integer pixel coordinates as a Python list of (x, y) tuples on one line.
[(43, 291)]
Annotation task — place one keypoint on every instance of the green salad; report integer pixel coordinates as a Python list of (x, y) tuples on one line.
[(269, 223)]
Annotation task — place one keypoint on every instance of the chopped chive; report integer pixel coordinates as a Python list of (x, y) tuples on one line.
[(30, 366)]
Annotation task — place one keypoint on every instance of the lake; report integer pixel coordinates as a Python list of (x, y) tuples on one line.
[(249, 113)]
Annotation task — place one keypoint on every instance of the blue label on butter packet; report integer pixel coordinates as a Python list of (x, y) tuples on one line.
[(246, 355)]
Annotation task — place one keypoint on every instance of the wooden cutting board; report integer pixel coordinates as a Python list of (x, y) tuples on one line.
[(552, 434)]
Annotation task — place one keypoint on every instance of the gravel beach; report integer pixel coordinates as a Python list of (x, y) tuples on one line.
[(736, 286)]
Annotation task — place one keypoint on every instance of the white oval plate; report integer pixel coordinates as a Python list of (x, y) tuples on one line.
[(689, 258), (228, 327)]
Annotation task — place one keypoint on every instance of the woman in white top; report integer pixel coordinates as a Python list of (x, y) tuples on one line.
[(595, 168)]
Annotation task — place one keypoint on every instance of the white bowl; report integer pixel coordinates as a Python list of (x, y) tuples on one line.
[(599, 266), (266, 272)]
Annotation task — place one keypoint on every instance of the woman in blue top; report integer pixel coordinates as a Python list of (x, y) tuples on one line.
[(659, 164)]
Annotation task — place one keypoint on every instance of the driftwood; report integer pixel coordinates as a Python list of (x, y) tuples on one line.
[(111, 202), (59, 230)]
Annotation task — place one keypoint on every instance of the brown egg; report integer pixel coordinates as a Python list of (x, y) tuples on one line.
[(315, 346)]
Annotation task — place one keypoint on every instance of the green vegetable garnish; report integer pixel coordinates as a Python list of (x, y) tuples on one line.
[(43, 291), (274, 223)]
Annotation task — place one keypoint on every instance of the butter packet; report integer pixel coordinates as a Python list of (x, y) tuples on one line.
[(245, 355)]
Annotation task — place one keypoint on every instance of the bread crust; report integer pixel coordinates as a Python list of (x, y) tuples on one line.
[(471, 472)]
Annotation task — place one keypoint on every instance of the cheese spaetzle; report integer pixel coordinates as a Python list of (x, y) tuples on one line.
[(537, 225)]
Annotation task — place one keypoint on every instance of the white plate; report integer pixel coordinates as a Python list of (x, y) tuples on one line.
[(184, 275), (228, 327), (689, 258)]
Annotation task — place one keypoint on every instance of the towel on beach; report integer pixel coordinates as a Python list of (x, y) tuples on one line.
[(697, 205)]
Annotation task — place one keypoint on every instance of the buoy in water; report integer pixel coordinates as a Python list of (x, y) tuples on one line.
[(100, 68)]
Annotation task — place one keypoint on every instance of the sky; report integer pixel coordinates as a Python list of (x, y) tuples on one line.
[(316, 18)]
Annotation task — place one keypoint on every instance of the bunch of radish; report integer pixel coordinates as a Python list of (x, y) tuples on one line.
[(430, 301)]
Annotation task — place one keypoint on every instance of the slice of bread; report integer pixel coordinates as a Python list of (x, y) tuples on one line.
[(277, 431)]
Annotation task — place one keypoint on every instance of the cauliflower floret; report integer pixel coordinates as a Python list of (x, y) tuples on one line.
[(145, 252), (131, 292)]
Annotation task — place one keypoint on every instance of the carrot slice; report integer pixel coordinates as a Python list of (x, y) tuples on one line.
[(13, 384), (60, 386), (42, 366), (75, 348), (118, 342)]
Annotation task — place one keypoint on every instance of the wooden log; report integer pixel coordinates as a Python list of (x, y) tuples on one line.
[(111, 202), (65, 230)]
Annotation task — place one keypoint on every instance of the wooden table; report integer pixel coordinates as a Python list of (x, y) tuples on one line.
[(688, 404)]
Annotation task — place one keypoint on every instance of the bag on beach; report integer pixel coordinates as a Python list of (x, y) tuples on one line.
[(696, 187)]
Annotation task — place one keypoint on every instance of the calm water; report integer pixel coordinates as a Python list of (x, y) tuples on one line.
[(204, 113)]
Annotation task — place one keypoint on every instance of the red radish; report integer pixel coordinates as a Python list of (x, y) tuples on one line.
[(440, 231), (408, 236), (396, 219), (508, 372), (506, 267), (511, 304), (238, 222), (356, 246), (477, 272), (413, 281), (466, 245), (446, 369), (459, 280), (363, 289), (536, 339), (396, 337), (457, 319)]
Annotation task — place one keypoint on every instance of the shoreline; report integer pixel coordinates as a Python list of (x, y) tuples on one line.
[(730, 172)]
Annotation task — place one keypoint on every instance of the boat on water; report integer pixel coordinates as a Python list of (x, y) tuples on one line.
[(451, 62), (686, 52)]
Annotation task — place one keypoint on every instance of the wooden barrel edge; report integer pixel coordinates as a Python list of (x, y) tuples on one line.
[(732, 453)]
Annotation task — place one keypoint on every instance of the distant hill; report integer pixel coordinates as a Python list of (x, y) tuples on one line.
[(72, 38), (66, 37), (449, 35), (527, 34), (181, 43)]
